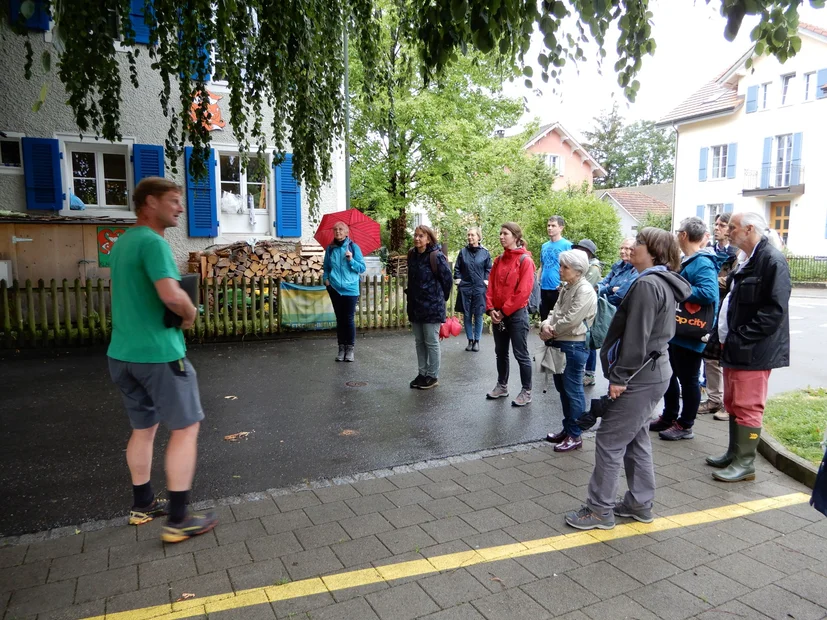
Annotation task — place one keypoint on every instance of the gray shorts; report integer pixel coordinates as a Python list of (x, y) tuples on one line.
[(154, 393)]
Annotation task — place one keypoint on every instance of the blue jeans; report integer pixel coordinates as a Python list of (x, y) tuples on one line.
[(591, 362), (426, 336), (473, 332), (570, 385), (344, 306)]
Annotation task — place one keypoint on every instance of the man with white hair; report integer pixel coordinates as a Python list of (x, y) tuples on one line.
[(754, 332)]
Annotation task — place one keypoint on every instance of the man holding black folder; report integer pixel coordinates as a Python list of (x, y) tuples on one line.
[(147, 360)]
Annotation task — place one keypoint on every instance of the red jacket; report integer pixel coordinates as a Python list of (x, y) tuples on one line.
[(510, 282)]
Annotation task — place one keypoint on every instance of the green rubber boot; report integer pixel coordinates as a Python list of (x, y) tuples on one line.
[(743, 465), (726, 459)]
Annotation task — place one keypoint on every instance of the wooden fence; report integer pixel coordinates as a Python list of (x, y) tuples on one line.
[(69, 314)]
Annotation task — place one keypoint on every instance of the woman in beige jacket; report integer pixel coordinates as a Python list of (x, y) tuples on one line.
[(566, 329)]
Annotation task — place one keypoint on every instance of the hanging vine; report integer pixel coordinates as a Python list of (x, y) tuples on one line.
[(287, 55)]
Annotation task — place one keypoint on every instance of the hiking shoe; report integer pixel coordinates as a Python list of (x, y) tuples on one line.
[(499, 391), (476, 346), (349, 353), (722, 415), (709, 407), (523, 398), (588, 380), (676, 432), (417, 382), (428, 383), (587, 519), (644, 515), (569, 444), (194, 525), (139, 516), (340, 356), (661, 424), (470, 346)]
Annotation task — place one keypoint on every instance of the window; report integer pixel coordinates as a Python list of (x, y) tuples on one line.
[(765, 96), (219, 67), (719, 161), (240, 188), (783, 160), (555, 162), (810, 86), (712, 213), (99, 176), (786, 88), (10, 157), (417, 220)]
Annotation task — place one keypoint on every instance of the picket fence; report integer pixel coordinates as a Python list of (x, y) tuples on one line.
[(70, 314)]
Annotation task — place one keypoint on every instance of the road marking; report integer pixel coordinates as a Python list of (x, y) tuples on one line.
[(451, 561), (796, 331)]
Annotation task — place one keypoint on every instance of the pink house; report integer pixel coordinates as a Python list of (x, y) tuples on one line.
[(565, 155)]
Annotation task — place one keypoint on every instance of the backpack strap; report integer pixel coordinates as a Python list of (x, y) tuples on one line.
[(434, 261)]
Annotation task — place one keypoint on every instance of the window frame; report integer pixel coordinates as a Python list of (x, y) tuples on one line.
[(13, 136), (270, 211), (810, 79), (559, 158), (786, 91), (69, 143), (719, 171), (712, 212), (764, 96), (783, 162)]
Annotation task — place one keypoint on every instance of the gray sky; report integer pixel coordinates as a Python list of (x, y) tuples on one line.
[(691, 50)]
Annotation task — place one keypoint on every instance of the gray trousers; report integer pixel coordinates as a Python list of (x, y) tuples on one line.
[(714, 382), (426, 336), (623, 437)]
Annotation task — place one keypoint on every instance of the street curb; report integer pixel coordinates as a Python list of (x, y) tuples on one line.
[(785, 461), (809, 285)]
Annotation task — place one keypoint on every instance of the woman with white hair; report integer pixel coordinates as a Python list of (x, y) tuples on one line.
[(566, 329)]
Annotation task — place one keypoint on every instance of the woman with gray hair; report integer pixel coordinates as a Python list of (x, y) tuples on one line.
[(566, 329)]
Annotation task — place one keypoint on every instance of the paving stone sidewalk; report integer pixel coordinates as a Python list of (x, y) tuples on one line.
[(767, 565)]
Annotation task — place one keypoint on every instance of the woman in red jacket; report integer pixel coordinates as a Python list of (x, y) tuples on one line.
[(509, 287)]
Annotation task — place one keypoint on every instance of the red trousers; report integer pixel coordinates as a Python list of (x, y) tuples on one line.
[(745, 394)]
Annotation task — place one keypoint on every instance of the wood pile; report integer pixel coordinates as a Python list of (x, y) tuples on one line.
[(398, 265), (267, 259)]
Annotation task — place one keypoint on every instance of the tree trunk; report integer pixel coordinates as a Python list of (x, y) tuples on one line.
[(398, 227)]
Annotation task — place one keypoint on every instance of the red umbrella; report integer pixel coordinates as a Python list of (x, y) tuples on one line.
[(364, 231)]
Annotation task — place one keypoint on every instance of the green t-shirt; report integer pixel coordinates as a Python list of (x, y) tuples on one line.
[(140, 258)]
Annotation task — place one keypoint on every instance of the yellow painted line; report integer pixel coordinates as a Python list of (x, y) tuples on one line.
[(451, 561)]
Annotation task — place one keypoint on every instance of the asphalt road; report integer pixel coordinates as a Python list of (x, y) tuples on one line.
[(64, 430)]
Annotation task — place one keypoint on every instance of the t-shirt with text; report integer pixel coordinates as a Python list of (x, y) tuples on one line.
[(549, 256), (140, 258)]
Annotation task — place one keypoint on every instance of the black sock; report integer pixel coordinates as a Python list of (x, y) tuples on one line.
[(178, 501), (142, 495)]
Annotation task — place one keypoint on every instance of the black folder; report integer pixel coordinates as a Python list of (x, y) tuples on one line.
[(189, 283)]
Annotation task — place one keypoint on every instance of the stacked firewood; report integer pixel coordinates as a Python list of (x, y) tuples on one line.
[(266, 259), (398, 265)]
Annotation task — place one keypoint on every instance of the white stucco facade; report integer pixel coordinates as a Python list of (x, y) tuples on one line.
[(142, 123), (775, 142)]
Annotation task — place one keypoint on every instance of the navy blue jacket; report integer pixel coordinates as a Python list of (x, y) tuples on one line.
[(622, 274), (472, 267), (427, 291)]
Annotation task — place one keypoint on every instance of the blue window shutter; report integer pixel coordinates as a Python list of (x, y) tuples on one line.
[(41, 171), (702, 167), (700, 210), (38, 21), (795, 168), (728, 207), (202, 212), (147, 161), (137, 12), (821, 80), (731, 159), (752, 99), (766, 163), (288, 200)]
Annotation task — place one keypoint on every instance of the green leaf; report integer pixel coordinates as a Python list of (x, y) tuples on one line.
[(528, 83), (795, 43), (46, 59), (759, 48), (779, 35), (528, 71), (559, 10)]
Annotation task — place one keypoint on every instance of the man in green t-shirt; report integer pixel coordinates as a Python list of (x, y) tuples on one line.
[(147, 360)]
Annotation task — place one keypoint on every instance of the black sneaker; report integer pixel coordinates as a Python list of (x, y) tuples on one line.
[(195, 524), (428, 383), (661, 424), (417, 382), (139, 516)]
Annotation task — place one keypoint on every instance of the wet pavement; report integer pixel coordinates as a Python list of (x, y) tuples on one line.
[(65, 429)]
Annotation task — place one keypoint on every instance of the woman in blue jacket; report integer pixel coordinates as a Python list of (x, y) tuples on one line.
[(343, 262), (429, 286), (700, 268), (471, 277)]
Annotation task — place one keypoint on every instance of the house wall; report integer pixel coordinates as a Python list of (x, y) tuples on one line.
[(142, 122), (575, 169), (808, 214)]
